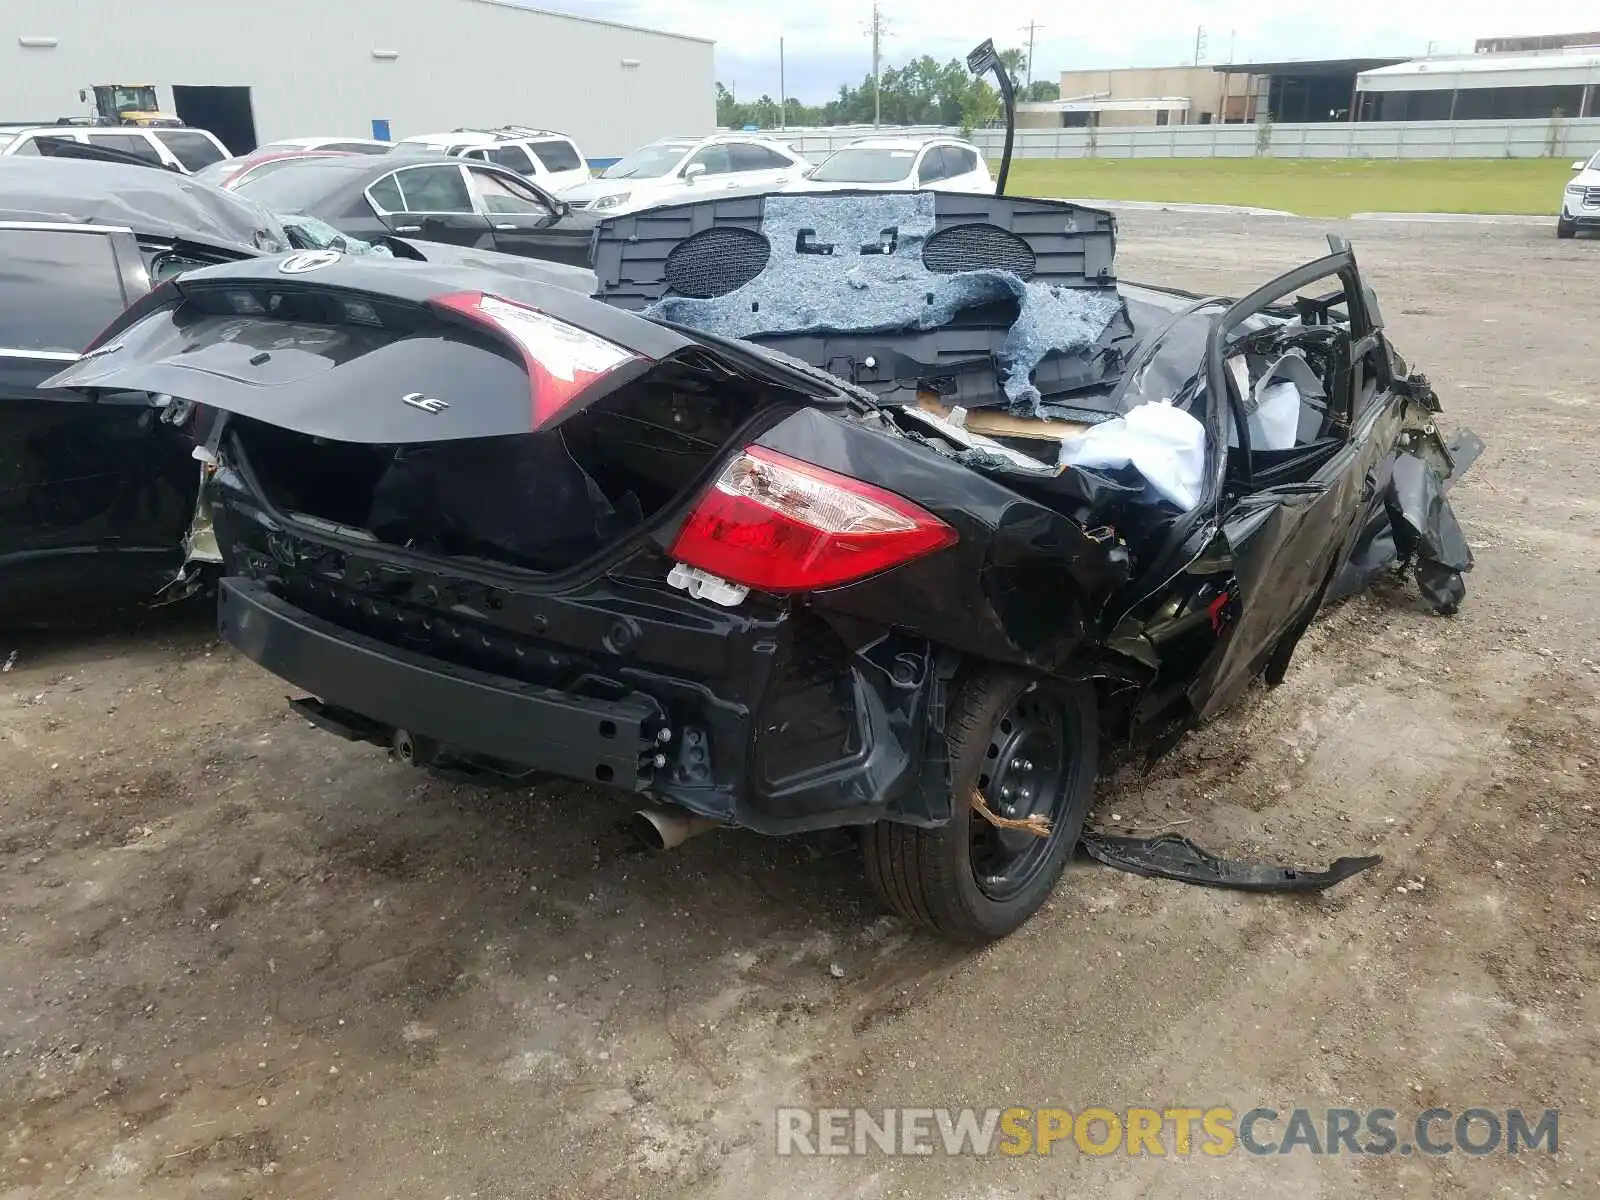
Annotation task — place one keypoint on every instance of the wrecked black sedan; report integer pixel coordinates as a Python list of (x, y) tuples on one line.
[(886, 511), (433, 198)]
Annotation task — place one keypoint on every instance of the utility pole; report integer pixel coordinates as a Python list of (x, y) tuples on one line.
[(1199, 44), (1032, 27), (877, 89), (783, 96)]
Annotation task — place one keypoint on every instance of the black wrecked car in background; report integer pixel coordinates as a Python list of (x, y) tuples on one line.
[(98, 495), (875, 510), (432, 199)]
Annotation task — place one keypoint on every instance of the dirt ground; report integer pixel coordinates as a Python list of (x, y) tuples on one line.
[(242, 958)]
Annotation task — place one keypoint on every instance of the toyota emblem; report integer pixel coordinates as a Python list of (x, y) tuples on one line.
[(311, 260)]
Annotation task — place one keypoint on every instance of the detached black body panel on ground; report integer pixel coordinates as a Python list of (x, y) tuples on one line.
[(511, 530), (1169, 856)]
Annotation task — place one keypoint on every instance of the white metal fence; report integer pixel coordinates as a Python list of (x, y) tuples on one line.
[(1557, 138)]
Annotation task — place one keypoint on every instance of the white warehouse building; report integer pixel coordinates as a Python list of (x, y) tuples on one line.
[(255, 73)]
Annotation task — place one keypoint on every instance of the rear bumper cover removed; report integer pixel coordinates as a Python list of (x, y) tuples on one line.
[(609, 742), (744, 761)]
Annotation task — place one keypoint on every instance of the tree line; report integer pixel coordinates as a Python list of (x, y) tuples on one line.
[(922, 92)]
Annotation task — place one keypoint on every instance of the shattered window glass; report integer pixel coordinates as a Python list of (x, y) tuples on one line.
[(309, 233)]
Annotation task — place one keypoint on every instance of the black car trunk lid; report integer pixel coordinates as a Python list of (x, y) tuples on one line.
[(449, 412)]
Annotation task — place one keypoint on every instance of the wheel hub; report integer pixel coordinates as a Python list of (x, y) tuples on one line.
[(1024, 775)]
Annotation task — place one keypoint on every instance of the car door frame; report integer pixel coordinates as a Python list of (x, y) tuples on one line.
[(523, 234), (1285, 543), (476, 223)]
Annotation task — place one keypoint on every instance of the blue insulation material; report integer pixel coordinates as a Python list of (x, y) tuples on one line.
[(856, 288)]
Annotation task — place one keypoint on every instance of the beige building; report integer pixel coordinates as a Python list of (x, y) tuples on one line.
[(1145, 96)]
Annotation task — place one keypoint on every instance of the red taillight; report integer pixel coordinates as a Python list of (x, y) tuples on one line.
[(563, 361), (782, 525)]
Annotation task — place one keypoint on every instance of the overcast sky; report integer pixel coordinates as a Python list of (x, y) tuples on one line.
[(826, 41)]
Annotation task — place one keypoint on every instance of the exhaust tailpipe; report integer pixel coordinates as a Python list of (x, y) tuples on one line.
[(664, 828)]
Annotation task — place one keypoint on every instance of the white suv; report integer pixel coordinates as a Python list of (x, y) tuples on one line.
[(184, 150), (550, 159), (677, 169), (1580, 203), (901, 164)]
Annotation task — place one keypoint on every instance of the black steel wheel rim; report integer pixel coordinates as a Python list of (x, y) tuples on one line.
[(1027, 771)]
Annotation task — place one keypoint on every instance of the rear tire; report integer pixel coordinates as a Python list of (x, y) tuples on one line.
[(1565, 228), (968, 880)]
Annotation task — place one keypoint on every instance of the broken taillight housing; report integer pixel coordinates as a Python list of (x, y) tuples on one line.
[(562, 360), (782, 525)]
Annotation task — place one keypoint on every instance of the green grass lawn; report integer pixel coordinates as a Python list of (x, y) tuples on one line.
[(1311, 187)]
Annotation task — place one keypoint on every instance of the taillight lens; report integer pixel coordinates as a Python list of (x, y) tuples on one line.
[(782, 525), (563, 361)]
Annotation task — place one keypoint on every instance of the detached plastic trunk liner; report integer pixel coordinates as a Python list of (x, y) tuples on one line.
[(990, 301)]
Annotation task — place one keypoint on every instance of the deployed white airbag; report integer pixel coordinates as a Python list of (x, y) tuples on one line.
[(1273, 406), (1164, 444)]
